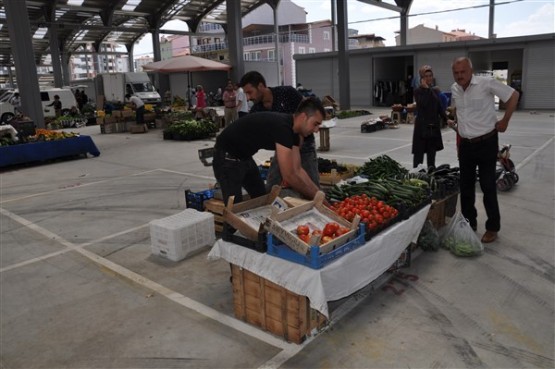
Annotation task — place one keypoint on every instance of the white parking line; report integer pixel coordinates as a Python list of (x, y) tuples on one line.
[(147, 283), (534, 154)]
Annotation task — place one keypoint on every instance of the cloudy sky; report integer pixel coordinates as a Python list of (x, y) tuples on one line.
[(512, 18)]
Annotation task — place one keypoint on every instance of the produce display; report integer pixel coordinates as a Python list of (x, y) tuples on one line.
[(407, 193), (191, 129), (40, 135), (374, 213), (443, 180), (382, 167), (325, 166), (317, 236)]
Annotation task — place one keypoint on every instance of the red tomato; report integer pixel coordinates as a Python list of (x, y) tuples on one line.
[(303, 229), (330, 229), (305, 238), (325, 239), (341, 231)]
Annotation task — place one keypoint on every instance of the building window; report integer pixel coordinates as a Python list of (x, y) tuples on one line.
[(271, 55), (302, 50), (311, 50), (326, 35)]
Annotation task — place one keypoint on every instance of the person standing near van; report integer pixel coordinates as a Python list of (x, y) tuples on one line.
[(16, 102), (57, 104), (139, 107), (242, 103), (230, 104)]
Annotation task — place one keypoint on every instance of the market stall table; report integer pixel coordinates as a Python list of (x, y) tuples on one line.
[(339, 279), (47, 150)]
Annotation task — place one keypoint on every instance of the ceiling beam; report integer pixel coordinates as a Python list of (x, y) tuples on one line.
[(381, 4)]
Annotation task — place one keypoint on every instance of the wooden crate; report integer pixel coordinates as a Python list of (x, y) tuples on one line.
[(216, 207), (442, 208), (334, 177), (273, 308), (232, 213)]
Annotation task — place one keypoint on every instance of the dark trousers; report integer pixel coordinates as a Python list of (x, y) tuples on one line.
[(233, 175), (309, 162), (418, 157), (140, 115), (242, 113), (482, 154)]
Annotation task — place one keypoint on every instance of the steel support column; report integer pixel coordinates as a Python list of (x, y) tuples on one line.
[(343, 56), (235, 39), (24, 58)]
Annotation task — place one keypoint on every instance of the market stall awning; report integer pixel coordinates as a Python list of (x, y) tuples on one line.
[(185, 63)]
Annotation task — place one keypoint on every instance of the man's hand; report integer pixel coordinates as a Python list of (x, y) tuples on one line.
[(452, 124), (501, 125)]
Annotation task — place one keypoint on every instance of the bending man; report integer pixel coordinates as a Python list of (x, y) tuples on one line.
[(234, 166)]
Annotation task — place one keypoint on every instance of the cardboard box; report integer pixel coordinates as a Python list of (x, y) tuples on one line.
[(127, 113), (314, 213), (249, 217), (334, 177), (149, 117), (137, 128), (109, 119), (273, 308), (117, 127), (116, 113)]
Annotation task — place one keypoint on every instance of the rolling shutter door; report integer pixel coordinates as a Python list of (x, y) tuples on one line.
[(538, 77)]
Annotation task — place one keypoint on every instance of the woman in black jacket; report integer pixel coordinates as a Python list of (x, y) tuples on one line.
[(426, 138)]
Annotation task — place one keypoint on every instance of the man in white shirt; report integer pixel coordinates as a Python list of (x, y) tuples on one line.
[(478, 127), (242, 102), (139, 107)]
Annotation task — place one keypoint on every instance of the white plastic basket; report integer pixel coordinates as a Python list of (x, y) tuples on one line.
[(177, 236)]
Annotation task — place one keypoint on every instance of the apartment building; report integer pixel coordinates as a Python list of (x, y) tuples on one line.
[(424, 35)]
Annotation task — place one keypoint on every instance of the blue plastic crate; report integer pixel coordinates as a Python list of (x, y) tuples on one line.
[(314, 259), (263, 171), (195, 200)]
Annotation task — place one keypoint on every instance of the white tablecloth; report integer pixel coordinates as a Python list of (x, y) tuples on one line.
[(339, 279)]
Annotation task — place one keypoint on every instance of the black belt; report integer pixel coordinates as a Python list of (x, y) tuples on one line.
[(480, 138)]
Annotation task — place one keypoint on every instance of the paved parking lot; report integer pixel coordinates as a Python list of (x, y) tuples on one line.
[(80, 289)]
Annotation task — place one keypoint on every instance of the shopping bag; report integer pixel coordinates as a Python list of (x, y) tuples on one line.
[(428, 239), (459, 238)]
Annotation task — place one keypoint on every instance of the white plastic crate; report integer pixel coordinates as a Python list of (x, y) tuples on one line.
[(177, 236)]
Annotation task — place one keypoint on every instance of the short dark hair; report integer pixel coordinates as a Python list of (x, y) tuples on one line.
[(310, 106), (253, 78), (127, 96)]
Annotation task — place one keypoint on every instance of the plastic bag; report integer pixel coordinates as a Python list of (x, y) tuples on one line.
[(428, 239), (460, 239)]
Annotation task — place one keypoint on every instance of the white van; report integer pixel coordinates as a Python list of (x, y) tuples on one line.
[(7, 110)]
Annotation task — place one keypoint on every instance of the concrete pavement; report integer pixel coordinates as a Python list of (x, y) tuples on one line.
[(79, 288)]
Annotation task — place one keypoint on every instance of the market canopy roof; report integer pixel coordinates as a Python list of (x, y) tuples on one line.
[(185, 63)]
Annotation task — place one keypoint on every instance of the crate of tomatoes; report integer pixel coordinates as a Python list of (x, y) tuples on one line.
[(375, 214), (311, 234)]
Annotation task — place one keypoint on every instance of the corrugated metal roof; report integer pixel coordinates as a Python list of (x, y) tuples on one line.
[(120, 21)]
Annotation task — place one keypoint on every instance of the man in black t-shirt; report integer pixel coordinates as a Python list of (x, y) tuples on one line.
[(283, 99), (234, 166)]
